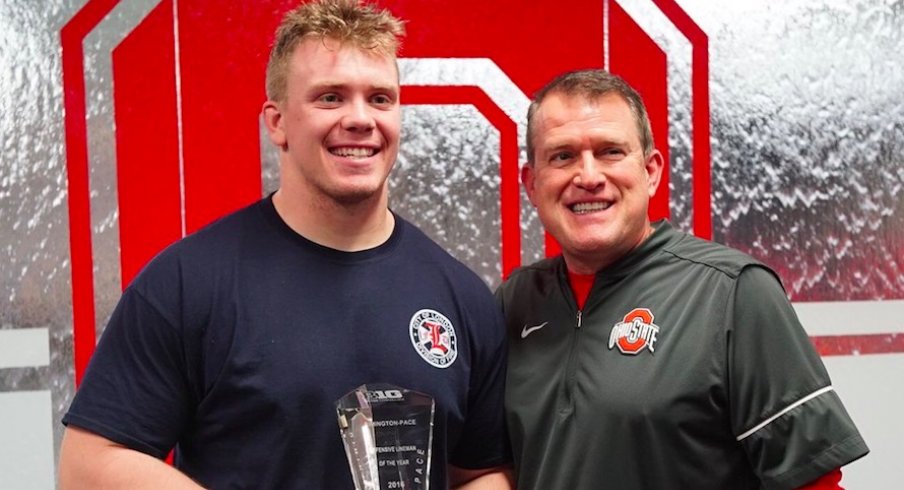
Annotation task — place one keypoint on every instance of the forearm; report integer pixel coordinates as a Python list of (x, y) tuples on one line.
[(499, 478), (829, 481), (90, 461)]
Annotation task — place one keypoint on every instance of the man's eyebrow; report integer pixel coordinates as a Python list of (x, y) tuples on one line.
[(392, 89), (557, 143), (556, 146), (336, 85), (328, 85)]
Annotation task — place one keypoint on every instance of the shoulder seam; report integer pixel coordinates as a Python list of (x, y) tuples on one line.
[(748, 262), (144, 299), (709, 265)]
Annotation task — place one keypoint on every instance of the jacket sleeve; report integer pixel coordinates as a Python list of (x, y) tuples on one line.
[(784, 411)]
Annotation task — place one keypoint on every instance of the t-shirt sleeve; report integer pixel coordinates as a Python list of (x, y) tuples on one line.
[(484, 439), (135, 390), (784, 410)]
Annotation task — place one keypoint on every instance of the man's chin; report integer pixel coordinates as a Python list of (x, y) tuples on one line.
[(355, 197), (588, 238), (589, 246)]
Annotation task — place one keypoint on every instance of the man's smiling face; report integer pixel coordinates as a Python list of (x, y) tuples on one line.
[(339, 125), (589, 178)]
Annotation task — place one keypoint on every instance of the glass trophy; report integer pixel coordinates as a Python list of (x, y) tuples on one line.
[(388, 435)]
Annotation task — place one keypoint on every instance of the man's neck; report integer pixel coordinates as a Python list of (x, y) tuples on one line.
[(346, 227)]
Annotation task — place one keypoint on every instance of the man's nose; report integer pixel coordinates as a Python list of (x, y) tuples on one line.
[(590, 174), (357, 116)]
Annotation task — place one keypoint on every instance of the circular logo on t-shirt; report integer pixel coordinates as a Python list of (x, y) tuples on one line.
[(433, 337)]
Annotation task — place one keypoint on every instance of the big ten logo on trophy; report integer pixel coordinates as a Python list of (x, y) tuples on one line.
[(163, 97), (383, 395)]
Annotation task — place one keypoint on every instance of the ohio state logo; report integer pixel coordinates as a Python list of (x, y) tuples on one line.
[(433, 337), (635, 333)]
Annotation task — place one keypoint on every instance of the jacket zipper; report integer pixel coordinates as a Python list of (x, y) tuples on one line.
[(567, 404)]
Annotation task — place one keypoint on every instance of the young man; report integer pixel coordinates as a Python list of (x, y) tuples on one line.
[(234, 344), (643, 357)]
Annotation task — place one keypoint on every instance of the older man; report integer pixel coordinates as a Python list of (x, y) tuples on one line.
[(643, 357)]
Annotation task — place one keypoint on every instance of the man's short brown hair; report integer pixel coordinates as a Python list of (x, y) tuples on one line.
[(347, 21), (592, 84)]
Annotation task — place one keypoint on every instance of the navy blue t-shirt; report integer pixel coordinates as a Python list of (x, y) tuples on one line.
[(234, 344)]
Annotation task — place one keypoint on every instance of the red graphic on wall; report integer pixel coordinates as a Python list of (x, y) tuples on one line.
[(197, 150)]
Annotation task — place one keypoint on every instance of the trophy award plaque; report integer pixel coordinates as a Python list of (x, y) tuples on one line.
[(388, 435)]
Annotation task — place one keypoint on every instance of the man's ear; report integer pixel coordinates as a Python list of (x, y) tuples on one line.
[(274, 121), (653, 166), (528, 178)]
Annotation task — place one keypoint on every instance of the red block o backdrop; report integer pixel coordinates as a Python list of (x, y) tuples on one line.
[(783, 135), (195, 154)]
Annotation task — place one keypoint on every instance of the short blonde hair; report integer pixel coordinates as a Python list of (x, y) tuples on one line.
[(347, 21)]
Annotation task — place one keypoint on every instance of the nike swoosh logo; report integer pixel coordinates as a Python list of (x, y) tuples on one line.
[(527, 331)]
